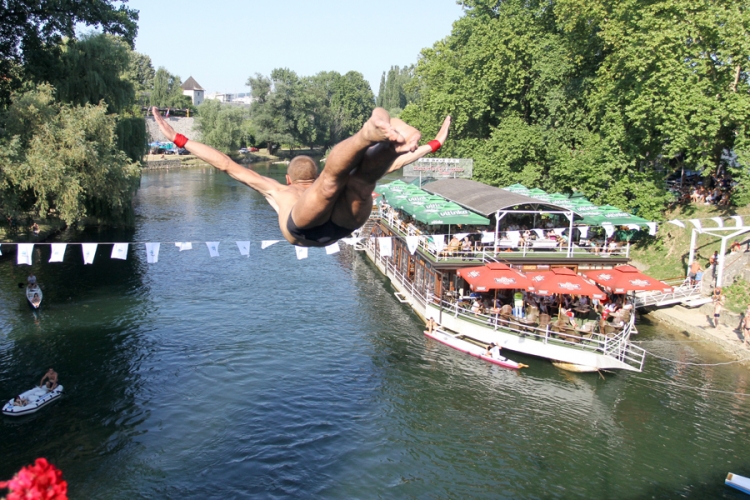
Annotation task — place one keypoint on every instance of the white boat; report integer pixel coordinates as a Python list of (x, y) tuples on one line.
[(472, 349), (36, 398), (34, 296), (736, 481)]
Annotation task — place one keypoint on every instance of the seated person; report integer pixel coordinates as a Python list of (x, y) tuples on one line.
[(35, 228), (36, 300), (476, 307), (466, 245), (493, 351), (736, 247), (51, 379), (19, 401), (31, 280)]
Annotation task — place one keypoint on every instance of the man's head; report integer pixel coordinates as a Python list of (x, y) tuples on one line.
[(301, 169)]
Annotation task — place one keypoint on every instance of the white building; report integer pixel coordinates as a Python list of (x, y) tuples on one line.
[(192, 89)]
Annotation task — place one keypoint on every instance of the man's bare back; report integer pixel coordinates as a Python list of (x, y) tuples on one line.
[(316, 210)]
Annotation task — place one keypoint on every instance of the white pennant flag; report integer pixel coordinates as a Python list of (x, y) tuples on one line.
[(584, 231), (719, 221), (676, 222), (386, 246), (58, 252), (609, 229), (539, 233), (152, 252), (119, 251), (514, 236), (737, 220), (267, 243), (351, 241), (24, 253), (488, 237), (89, 252), (412, 243), (301, 252), (213, 248), (696, 223), (333, 248), (634, 227), (461, 236), (439, 240), (183, 245), (651, 228), (244, 247)]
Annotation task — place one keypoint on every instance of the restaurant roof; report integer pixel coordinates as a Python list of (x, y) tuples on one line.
[(484, 199)]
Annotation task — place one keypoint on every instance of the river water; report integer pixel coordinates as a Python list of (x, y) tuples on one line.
[(272, 377)]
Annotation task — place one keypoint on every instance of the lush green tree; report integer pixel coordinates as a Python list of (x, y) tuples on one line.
[(167, 90), (222, 125), (140, 73), (394, 93), (602, 96), (63, 157)]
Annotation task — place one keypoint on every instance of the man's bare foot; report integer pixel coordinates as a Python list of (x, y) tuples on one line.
[(378, 128)]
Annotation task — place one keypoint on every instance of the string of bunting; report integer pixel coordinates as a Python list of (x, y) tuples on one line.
[(121, 250), (719, 221)]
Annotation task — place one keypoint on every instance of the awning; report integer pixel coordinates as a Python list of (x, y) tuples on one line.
[(494, 276), (565, 281), (623, 279)]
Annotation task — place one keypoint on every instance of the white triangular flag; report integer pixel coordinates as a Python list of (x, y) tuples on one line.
[(152, 252), (119, 251), (461, 236), (412, 243), (719, 221), (584, 231), (333, 248), (651, 228), (244, 247), (609, 229), (184, 245), (737, 220), (439, 240), (676, 222), (634, 227), (386, 246), (213, 248), (696, 223), (24, 253), (539, 233), (89, 252), (58, 252), (351, 241), (301, 252), (488, 237), (267, 243)]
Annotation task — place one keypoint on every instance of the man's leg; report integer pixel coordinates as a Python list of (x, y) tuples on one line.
[(316, 203)]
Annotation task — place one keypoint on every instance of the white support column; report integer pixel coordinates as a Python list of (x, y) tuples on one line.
[(570, 234), (693, 239), (720, 264)]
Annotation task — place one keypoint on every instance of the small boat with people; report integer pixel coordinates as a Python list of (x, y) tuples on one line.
[(34, 295), (32, 400), (738, 482), (483, 353)]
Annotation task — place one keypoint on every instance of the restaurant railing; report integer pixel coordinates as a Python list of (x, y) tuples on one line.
[(682, 289)]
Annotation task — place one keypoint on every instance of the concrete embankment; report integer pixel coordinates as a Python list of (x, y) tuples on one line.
[(698, 323)]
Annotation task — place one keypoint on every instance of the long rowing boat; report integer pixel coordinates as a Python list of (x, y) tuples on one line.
[(472, 349), (738, 482)]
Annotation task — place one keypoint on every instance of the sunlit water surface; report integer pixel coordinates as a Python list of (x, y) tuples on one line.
[(272, 377)]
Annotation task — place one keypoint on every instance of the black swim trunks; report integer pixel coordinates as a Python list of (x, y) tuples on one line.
[(328, 232)]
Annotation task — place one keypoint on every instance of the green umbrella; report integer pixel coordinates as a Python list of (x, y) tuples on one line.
[(451, 216), (537, 192), (406, 197), (415, 203), (517, 188)]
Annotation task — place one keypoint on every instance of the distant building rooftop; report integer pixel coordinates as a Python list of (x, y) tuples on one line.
[(191, 84)]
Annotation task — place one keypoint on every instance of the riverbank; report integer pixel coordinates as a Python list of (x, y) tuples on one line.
[(698, 323)]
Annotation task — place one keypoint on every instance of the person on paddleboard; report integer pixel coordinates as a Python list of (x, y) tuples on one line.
[(317, 209)]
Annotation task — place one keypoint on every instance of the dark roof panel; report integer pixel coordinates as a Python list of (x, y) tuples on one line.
[(191, 84), (484, 199)]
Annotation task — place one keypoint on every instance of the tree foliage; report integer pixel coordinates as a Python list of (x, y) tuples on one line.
[(599, 96), (222, 126), (395, 93), (310, 111), (166, 90), (63, 157)]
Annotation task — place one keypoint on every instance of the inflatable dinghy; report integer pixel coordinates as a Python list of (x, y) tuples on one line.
[(35, 399)]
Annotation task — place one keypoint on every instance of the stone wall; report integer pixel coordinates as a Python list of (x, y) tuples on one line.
[(151, 165), (181, 124)]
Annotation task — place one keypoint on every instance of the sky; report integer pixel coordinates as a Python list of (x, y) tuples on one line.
[(220, 43)]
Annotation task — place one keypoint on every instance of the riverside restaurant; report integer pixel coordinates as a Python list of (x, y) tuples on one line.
[(526, 270)]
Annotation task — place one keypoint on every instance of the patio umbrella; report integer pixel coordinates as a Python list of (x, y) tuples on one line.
[(450, 215), (537, 192), (406, 197), (494, 276), (565, 281), (517, 188), (623, 279)]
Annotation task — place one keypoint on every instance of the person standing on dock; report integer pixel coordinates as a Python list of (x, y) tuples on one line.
[(719, 299), (746, 325), (315, 210)]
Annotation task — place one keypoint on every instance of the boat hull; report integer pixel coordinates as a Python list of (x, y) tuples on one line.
[(30, 296), (571, 367), (738, 482), (38, 398), (471, 349)]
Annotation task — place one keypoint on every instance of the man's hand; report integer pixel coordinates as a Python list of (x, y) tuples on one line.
[(442, 134), (165, 128)]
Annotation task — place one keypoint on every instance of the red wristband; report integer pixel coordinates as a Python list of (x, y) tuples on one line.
[(180, 140), (434, 144)]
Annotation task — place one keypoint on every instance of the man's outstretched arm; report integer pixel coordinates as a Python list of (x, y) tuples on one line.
[(407, 158), (219, 160)]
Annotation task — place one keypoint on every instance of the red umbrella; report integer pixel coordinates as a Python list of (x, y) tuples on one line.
[(494, 276), (565, 281), (623, 279)]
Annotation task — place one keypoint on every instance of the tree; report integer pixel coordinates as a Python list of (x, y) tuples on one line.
[(393, 94), (63, 157), (167, 90), (222, 126)]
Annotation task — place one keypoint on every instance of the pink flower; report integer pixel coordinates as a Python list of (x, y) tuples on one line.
[(41, 481)]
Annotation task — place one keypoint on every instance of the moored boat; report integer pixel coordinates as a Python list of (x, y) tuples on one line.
[(34, 296), (35, 399), (572, 367), (472, 349), (738, 482)]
